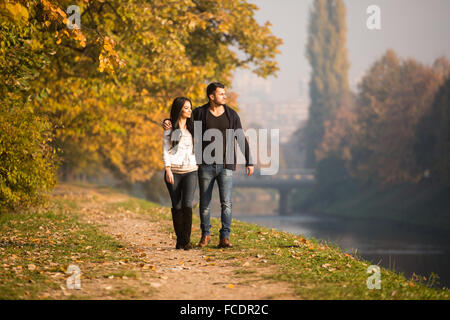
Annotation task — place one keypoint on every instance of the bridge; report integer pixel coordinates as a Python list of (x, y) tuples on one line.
[(284, 181)]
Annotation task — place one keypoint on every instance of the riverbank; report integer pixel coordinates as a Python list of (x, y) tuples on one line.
[(420, 205), (124, 248)]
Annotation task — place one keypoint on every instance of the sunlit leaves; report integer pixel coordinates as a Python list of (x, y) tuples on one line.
[(108, 56), (27, 163), (14, 11), (106, 86)]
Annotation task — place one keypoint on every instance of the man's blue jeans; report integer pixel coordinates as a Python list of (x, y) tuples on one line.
[(207, 174)]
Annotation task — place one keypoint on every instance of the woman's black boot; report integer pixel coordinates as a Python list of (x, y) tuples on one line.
[(187, 227), (177, 218)]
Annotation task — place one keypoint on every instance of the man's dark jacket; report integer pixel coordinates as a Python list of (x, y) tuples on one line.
[(199, 114)]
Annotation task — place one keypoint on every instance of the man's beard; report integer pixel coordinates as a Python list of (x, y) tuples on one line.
[(217, 103)]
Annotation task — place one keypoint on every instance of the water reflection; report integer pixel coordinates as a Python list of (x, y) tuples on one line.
[(396, 246)]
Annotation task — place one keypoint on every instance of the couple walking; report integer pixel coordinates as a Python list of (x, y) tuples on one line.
[(183, 168)]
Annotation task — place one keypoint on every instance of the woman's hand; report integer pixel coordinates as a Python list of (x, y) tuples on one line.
[(169, 175)]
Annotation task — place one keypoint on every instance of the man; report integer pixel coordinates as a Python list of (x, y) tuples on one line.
[(217, 115)]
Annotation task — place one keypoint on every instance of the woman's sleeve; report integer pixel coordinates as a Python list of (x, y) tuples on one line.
[(166, 147)]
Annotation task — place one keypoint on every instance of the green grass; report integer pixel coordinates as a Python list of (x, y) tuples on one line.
[(36, 246), (314, 268), (121, 274), (53, 238)]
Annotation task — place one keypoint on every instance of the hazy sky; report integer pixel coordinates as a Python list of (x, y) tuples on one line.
[(413, 28)]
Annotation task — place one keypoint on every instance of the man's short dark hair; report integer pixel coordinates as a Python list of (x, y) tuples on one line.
[(212, 88)]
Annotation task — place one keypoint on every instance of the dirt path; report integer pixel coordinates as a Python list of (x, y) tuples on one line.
[(163, 272)]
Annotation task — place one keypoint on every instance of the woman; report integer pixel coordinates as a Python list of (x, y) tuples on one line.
[(181, 169)]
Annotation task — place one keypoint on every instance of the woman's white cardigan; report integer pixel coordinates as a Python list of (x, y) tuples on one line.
[(181, 156)]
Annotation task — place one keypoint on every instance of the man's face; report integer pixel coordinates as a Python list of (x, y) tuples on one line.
[(219, 97)]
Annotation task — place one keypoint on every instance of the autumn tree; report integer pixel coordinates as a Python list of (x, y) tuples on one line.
[(433, 138), (393, 97), (27, 160), (99, 91), (108, 112), (327, 54), (339, 132)]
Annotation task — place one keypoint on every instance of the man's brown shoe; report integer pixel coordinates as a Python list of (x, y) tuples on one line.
[(224, 243), (204, 241)]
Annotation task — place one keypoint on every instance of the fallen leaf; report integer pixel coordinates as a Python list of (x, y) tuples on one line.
[(155, 284)]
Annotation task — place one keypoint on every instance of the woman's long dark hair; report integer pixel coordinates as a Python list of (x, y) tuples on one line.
[(175, 113)]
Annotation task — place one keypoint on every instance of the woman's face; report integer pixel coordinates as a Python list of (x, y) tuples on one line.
[(186, 111)]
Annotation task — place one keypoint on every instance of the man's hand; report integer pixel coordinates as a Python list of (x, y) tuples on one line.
[(249, 170), (167, 124)]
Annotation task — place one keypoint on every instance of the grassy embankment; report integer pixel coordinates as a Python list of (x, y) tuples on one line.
[(36, 246), (423, 204)]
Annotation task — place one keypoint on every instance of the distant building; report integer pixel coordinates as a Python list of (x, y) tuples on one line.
[(258, 109), (286, 116)]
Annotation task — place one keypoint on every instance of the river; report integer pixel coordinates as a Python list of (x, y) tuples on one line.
[(399, 247)]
